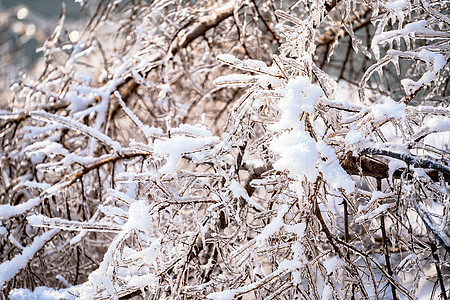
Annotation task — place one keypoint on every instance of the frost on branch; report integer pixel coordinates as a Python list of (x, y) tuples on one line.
[(232, 150)]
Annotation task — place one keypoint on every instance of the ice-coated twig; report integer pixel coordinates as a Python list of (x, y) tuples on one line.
[(10, 268), (441, 17), (390, 278), (240, 80), (435, 63), (436, 230), (8, 211), (133, 117), (73, 124), (249, 65), (433, 126), (43, 221)]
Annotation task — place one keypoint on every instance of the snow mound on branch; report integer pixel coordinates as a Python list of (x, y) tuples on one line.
[(176, 146), (298, 154), (389, 108), (299, 96)]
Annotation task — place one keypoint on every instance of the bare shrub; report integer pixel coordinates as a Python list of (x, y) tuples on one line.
[(259, 149)]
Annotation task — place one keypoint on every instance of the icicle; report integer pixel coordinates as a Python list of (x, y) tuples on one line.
[(393, 18), (375, 9), (391, 43), (396, 64), (375, 50), (401, 19), (407, 42)]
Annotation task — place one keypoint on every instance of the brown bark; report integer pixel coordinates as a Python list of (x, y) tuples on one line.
[(377, 168)]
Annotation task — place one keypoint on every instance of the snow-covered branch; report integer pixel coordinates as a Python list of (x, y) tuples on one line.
[(241, 149)]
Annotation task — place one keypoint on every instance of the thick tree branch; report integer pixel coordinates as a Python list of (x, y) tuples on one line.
[(185, 37), (372, 167), (199, 28), (424, 162)]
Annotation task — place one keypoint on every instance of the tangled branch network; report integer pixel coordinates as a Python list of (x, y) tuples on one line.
[(232, 150)]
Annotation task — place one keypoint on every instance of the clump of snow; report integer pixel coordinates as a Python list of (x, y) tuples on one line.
[(353, 137), (148, 254), (41, 293), (275, 225), (190, 129), (224, 295), (255, 64), (389, 109), (395, 9), (298, 229), (434, 61), (439, 124), (7, 211), (173, 149), (332, 264), (415, 26), (298, 154), (439, 140), (433, 124), (397, 5), (299, 96), (298, 258), (332, 170), (142, 281), (373, 214), (394, 165), (375, 196), (138, 216), (111, 211), (77, 102)]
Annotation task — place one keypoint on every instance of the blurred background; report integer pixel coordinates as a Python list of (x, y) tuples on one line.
[(24, 26)]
